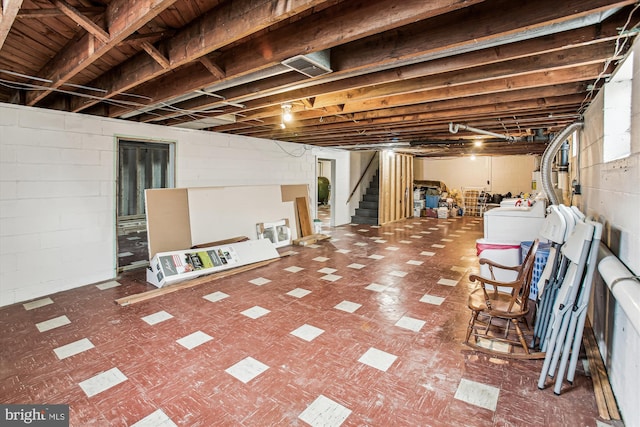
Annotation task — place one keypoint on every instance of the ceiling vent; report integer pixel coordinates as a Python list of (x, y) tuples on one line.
[(312, 65)]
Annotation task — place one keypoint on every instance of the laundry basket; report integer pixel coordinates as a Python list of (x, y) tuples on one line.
[(542, 255)]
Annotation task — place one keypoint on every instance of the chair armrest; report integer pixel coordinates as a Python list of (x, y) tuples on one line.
[(495, 264), (486, 281)]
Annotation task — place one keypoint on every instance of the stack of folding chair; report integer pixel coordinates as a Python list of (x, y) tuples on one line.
[(563, 335), (557, 228)]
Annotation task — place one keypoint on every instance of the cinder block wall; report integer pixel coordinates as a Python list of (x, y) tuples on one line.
[(611, 193), (57, 190)]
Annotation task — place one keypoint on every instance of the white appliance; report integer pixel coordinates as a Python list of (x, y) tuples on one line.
[(519, 223)]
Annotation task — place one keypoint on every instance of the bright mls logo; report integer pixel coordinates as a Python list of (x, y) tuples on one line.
[(34, 415)]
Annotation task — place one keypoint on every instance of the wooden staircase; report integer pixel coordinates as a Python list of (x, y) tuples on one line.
[(367, 211)]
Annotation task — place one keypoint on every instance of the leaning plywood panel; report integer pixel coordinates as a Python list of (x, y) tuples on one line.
[(220, 212), (168, 224)]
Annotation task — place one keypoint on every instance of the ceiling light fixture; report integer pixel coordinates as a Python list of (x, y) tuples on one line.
[(286, 113), (478, 143)]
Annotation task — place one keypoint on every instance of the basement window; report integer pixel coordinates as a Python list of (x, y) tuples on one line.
[(617, 112)]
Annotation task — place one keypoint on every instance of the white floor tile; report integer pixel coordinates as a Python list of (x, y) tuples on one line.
[(459, 269), (56, 322), (314, 246), (446, 240), (376, 287), (321, 259), (363, 230), (434, 228), (108, 285), (447, 282), (454, 235), (343, 251), (73, 348), (398, 273), (478, 394), (103, 381), (259, 281), (324, 412), (327, 270), (380, 241), (461, 231), (378, 359), (435, 245), (356, 266), (157, 317), (375, 226), (503, 347), (37, 304), (156, 419), (255, 312), (124, 254), (388, 233), (133, 238), (246, 369), (331, 277), (427, 253), (298, 292), (361, 244), (349, 234), (425, 232), (415, 262), (216, 296), (416, 236), (307, 332), (432, 299), (193, 340), (293, 269), (392, 248), (410, 323), (348, 306), (406, 242), (408, 226), (400, 229), (375, 256), (441, 225)]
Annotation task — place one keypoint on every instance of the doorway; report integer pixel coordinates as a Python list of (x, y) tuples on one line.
[(326, 175), (141, 165)]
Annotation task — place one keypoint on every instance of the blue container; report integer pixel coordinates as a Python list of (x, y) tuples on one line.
[(542, 255), (432, 201)]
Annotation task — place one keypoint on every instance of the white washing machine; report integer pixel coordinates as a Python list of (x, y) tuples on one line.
[(519, 223)]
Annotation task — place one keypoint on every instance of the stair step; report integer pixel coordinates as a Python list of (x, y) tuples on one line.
[(363, 220), (368, 205), (370, 197), (373, 213)]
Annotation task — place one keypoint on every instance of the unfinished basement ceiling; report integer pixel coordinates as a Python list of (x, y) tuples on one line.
[(356, 74)]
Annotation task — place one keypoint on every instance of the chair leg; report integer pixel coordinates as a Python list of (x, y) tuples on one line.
[(472, 322), (523, 342)]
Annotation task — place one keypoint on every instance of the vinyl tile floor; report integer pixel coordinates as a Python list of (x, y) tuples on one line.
[(364, 329)]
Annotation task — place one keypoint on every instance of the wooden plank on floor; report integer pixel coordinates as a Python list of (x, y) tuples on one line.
[(306, 227), (607, 406), (144, 296)]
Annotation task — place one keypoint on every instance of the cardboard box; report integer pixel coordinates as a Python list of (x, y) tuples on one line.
[(167, 268)]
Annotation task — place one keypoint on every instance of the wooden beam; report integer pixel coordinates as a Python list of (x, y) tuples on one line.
[(83, 21), (213, 68), (229, 22), (9, 11), (346, 24), (123, 19), (535, 47), (55, 13), (156, 54)]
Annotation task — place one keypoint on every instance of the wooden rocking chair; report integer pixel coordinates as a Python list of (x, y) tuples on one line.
[(498, 308)]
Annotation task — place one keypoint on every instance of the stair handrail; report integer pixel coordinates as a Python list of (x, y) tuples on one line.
[(362, 176)]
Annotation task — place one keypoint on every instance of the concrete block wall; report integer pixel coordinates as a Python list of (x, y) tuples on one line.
[(58, 197), (610, 193)]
